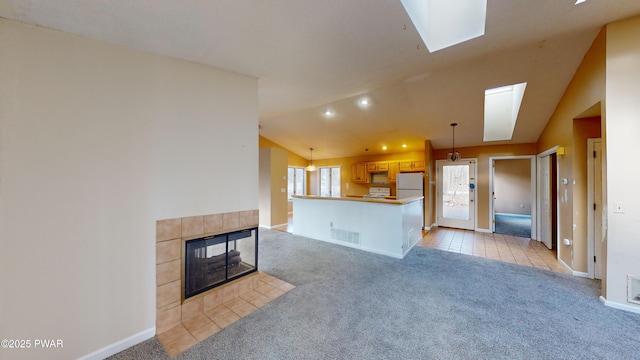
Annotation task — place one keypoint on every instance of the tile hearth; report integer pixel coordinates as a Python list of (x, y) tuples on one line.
[(222, 307), (180, 324)]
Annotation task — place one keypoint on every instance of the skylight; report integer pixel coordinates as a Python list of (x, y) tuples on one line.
[(444, 23), (501, 107)]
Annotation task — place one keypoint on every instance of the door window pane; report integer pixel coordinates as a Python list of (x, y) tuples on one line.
[(329, 181), (325, 178), (291, 182), (295, 181), (335, 182), (455, 192), (299, 186)]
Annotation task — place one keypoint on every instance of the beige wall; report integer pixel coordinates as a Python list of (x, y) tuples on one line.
[(585, 90), (482, 153), (293, 159), (273, 180), (512, 185), (98, 142), (583, 129), (622, 129), (430, 188)]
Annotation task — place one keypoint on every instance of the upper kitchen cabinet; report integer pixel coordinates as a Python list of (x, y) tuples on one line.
[(411, 165), (393, 170), (378, 166), (418, 165), (359, 173)]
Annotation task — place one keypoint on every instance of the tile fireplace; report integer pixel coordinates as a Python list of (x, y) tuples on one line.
[(217, 259), (171, 234)]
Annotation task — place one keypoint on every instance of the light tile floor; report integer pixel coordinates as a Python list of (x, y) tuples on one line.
[(505, 248), (192, 331)]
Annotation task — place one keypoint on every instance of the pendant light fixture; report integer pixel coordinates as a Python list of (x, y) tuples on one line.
[(311, 167), (453, 155)]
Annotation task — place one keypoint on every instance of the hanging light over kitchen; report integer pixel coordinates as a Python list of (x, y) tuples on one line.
[(453, 155), (311, 167)]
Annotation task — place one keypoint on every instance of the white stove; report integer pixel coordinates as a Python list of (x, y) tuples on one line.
[(378, 193)]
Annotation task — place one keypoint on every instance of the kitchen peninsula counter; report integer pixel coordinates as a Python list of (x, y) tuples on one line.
[(383, 226)]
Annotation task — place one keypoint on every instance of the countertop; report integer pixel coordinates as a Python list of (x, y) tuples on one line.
[(353, 198)]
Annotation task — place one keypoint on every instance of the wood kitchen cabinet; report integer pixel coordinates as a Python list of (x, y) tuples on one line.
[(393, 170), (418, 165), (378, 166), (406, 165), (359, 173), (411, 165)]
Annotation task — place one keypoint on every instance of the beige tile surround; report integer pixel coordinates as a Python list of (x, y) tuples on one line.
[(180, 325)]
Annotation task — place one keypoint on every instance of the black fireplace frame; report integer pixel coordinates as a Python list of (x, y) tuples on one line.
[(216, 239)]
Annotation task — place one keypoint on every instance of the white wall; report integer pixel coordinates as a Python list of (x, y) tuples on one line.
[(97, 142), (622, 132)]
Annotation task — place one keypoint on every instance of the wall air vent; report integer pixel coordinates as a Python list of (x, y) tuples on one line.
[(351, 237)]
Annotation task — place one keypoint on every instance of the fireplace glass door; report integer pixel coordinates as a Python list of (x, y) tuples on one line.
[(214, 260)]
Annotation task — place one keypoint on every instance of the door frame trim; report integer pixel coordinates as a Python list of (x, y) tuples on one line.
[(550, 151), (532, 195), (475, 192), (591, 241)]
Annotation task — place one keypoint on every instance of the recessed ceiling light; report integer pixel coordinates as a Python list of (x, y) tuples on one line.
[(364, 103), (384, 147), (404, 145), (328, 113)]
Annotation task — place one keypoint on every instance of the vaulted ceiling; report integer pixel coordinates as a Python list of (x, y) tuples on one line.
[(310, 56)]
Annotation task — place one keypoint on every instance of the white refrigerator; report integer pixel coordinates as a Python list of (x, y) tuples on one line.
[(409, 184)]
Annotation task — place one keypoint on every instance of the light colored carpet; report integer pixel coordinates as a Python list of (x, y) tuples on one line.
[(350, 304)]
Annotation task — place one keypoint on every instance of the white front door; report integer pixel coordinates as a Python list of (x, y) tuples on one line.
[(456, 195)]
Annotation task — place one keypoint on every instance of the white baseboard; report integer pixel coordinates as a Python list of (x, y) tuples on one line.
[(619, 306), (573, 272), (565, 265), (581, 274), (428, 228), (484, 230), (273, 226), (116, 347)]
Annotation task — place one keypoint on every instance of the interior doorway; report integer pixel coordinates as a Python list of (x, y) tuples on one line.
[(512, 195)]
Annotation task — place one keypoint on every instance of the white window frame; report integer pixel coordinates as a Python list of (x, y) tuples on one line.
[(296, 169), (330, 180)]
